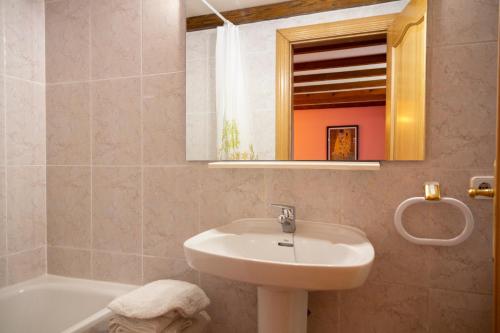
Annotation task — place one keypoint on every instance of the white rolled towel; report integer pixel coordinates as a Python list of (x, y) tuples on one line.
[(122, 324), (161, 298), (164, 324)]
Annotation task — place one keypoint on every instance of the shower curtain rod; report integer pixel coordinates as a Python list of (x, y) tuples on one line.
[(215, 11)]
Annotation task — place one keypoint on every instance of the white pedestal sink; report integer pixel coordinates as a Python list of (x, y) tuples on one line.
[(318, 256)]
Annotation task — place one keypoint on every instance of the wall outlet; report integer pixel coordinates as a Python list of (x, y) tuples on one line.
[(482, 183)]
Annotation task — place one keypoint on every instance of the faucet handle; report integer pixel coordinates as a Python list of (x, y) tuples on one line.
[(288, 210)]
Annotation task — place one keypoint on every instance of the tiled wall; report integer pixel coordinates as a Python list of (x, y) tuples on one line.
[(22, 141), (121, 198)]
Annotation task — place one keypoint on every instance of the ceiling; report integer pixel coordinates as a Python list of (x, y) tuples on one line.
[(336, 74), (355, 52), (361, 51), (197, 8)]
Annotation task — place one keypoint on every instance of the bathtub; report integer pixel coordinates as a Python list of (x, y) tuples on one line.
[(53, 304)]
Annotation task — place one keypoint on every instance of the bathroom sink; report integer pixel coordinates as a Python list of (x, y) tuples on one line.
[(318, 256)]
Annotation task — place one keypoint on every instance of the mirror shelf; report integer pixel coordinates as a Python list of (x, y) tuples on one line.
[(348, 166)]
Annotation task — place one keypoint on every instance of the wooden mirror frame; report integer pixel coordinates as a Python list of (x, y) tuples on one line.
[(285, 39), (403, 141)]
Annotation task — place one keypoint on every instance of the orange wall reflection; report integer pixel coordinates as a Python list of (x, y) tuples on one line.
[(309, 132)]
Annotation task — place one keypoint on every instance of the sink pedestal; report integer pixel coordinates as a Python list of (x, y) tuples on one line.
[(282, 310)]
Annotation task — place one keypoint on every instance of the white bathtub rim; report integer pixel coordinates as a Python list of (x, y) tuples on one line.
[(109, 288), (89, 322)]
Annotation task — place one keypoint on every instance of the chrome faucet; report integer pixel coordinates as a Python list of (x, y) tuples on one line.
[(287, 217)]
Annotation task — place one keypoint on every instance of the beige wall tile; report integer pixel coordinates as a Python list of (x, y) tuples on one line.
[(464, 21), (26, 208), (384, 308), (164, 119), (124, 268), (23, 226), (116, 121), (456, 312), (116, 39), (3, 237), (25, 39), (68, 262), (2, 116), (324, 315), (398, 261), (461, 271), (3, 220), (157, 268), (367, 204), (467, 266), (233, 305), (26, 265), (25, 127), (67, 33), (367, 190), (464, 89), (116, 198), (228, 195), (163, 36), (2, 43), (68, 206), (68, 124), (3, 271), (171, 199), (315, 194)]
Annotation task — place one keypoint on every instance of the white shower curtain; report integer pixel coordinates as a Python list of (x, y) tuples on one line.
[(233, 114)]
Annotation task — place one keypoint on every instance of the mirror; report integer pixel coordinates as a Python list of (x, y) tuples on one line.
[(333, 85)]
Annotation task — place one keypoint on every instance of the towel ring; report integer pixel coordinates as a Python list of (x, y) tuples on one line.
[(469, 222)]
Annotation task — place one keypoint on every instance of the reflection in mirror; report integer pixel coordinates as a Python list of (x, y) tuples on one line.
[(339, 91), (310, 87)]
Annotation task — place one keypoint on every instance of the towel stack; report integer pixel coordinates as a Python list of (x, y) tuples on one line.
[(164, 306)]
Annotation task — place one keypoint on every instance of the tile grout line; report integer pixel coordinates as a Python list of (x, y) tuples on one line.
[(339, 308), (141, 82), (198, 222), (428, 308), (112, 78), (111, 252), (4, 90), (45, 141), (198, 170), (25, 251), (91, 140), (118, 165), (17, 78)]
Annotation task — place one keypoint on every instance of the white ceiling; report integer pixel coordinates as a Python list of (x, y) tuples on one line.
[(360, 51), (196, 7)]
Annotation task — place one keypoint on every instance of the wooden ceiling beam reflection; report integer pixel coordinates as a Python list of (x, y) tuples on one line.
[(340, 75), (274, 11), (340, 86), (326, 47), (353, 96), (339, 63), (339, 105)]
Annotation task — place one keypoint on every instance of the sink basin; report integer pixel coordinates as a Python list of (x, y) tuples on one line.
[(318, 256), (284, 266)]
